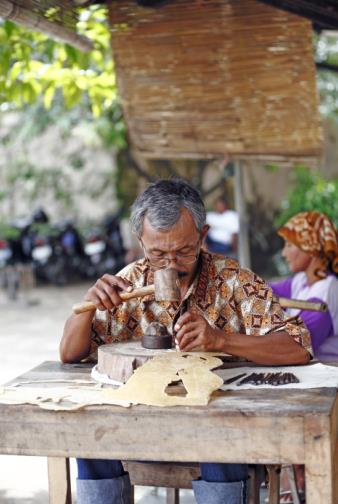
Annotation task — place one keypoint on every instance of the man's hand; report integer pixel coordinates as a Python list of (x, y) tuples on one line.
[(105, 292), (193, 332)]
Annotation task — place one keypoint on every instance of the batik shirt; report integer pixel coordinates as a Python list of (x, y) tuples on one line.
[(230, 298)]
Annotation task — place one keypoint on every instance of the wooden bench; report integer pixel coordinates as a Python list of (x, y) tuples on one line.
[(174, 476)]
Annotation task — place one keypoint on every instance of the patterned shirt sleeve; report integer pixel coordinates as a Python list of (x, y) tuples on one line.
[(261, 313), (103, 322), (100, 332)]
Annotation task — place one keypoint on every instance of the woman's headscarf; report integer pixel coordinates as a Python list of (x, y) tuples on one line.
[(314, 233)]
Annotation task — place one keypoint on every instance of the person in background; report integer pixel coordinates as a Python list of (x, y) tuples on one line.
[(223, 229), (311, 251)]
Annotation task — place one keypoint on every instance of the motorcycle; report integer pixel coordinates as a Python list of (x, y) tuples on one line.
[(5, 252), (9, 261), (100, 259)]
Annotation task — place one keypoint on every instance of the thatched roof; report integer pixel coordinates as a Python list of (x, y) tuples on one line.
[(58, 18), (201, 79)]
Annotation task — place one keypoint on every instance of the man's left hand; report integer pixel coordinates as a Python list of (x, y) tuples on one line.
[(194, 332)]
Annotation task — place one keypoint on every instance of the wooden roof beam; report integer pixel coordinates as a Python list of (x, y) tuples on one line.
[(28, 18), (323, 13), (327, 66)]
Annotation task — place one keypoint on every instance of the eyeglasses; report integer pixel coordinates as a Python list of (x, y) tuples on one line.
[(163, 262)]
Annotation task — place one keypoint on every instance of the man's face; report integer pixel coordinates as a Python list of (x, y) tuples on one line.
[(176, 248)]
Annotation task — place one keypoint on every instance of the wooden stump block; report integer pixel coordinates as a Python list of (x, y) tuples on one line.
[(119, 360)]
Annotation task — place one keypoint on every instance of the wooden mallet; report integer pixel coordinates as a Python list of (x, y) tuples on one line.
[(165, 288)]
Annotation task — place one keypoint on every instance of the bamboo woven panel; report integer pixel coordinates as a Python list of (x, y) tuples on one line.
[(199, 78)]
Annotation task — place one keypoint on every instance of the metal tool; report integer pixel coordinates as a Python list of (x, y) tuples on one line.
[(274, 379), (234, 378), (157, 337), (165, 288)]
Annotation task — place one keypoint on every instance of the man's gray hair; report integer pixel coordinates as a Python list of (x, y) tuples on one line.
[(162, 203)]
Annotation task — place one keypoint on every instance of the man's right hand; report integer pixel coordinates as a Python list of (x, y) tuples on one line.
[(105, 292)]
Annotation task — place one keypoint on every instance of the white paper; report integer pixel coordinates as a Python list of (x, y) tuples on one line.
[(311, 376)]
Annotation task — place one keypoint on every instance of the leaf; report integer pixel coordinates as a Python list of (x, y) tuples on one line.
[(9, 27), (72, 95), (310, 191), (49, 95)]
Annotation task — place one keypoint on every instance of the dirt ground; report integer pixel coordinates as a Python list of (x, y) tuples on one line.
[(30, 333)]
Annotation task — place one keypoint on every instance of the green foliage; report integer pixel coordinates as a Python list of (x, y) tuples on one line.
[(37, 181), (271, 168), (24, 177), (8, 232), (326, 51), (310, 192), (32, 64), (45, 229)]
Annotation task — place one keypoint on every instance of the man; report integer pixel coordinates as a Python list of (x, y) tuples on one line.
[(226, 309), (224, 227)]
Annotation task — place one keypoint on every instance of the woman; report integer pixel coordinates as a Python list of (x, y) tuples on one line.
[(311, 251)]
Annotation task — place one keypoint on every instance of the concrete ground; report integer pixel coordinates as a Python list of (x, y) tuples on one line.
[(30, 334)]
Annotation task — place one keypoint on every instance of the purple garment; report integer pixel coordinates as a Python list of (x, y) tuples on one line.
[(319, 324), (282, 288)]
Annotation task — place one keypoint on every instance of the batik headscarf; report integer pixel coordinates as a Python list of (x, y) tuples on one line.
[(314, 233)]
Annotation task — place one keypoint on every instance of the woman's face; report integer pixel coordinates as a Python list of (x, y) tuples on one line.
[(297, 259)]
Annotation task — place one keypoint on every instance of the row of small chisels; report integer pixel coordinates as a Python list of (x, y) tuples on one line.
[(263, 379)]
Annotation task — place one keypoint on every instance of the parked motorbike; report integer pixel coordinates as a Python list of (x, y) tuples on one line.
[(5, 252), (59, 254), (104, 248), (47, 261), (99, 258), (9, 260), (114, 238), (71, 242)]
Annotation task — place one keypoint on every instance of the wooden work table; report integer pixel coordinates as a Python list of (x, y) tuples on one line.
[(264, 426)]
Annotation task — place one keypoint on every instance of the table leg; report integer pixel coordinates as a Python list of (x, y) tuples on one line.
[(320, 464), (59, 481), (173, 496), (274, 483)]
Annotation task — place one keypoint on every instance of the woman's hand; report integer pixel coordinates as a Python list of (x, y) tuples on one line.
[(194, 332), (105, 292)]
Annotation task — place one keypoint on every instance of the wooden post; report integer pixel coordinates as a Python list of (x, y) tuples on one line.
[(243, 236), (59, 481), (173, 496)]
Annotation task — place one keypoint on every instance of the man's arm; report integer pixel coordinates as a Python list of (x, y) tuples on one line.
[(275, 348), (76, 340)]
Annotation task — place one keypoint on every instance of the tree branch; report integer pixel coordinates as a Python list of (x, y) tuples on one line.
[(135, 165), (213, 188)]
